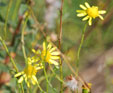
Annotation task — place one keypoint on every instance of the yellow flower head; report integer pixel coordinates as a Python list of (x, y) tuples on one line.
[(32, 60), (90, 12), (87, 90), (28, 74), (50, 54)]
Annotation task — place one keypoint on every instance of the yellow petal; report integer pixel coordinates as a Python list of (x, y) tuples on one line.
[(33, 82), (49, 46), (34, 78), (87, 5), (19, 74), (53, 62), (40, 64), (28, 84), (83, 7), (44, 46), (35, 52), (81, 11), (85, 18), (102, 12), (90, 21), (101, 17), (55, 57), (21, 79), (55, 53), (38, 68), (81, 14), (29, 59), (26, 79), (34, 59), (54, 48)]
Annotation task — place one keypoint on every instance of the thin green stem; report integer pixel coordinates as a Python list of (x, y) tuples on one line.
[(6, 18), (3, 43), (15, 12), (22, 38), (22, 87), (48, 83), (12, 61), (40, 87), (79, 49), (56, 74), (61, 76), (46, 77)]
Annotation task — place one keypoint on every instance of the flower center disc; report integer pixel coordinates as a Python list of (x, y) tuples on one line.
[(93, 11), (30, 70), (46, 55)]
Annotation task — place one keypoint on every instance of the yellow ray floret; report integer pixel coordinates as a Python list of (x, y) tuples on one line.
[(50, 54), (28, 74), (33, 59), (90, 13)]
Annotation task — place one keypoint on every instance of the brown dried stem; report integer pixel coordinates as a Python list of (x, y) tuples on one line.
[(60, 38)]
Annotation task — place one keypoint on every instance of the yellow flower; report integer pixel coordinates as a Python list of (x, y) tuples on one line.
[(33, 59), (50, 54), (86, 90), (90, 12), (28, 74)]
